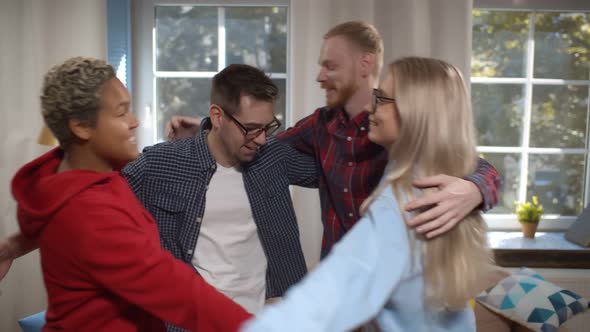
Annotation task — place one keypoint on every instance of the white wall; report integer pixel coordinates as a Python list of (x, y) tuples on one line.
[(34, 35)]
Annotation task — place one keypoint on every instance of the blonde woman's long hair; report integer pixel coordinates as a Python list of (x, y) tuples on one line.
[(437, 137)]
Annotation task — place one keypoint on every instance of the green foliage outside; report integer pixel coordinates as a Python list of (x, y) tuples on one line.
[(187, 40), (559, 116)]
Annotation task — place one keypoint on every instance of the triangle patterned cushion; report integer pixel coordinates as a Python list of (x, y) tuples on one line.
[(529, 299)]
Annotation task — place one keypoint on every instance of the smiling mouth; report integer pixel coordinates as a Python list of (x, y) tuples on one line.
[(253, 149), (328, 88)]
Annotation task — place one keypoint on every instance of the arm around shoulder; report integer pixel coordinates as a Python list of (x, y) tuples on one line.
[(302, 169), (301, 136)]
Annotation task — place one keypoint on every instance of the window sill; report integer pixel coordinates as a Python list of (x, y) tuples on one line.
[(546, 250), (508, 223)]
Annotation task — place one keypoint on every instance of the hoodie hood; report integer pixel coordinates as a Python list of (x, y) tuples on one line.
[(40, 192)]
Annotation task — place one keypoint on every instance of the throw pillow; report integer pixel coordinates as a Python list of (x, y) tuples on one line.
[(527, 298)]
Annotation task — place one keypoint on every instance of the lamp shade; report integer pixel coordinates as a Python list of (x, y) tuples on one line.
[(47, 138)]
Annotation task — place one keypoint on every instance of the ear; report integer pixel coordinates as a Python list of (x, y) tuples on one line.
[(80, 129), (215, 114), (367, 64)]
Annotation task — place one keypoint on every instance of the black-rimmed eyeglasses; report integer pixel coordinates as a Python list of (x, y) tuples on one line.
[(378, 99), (251, 134)]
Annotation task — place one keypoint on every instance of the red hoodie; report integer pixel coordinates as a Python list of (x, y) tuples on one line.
[(103, 266)]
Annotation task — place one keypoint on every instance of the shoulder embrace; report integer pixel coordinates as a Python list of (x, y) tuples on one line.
[(274, 149)]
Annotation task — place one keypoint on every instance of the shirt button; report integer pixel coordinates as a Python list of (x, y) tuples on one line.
[(189, 252), (350, 214), (349, 138), (350, 163), (213, 166), (199, 219), (362, 128), (345, 190)]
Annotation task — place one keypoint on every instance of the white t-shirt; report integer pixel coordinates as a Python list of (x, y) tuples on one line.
[(228, 254)]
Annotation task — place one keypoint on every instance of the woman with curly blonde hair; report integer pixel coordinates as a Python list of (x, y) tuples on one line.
[(381, 269)]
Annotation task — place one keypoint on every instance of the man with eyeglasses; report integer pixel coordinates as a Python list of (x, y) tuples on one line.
[(221, 198)]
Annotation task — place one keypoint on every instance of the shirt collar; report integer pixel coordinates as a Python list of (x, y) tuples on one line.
[(361, 120), (203, 155)]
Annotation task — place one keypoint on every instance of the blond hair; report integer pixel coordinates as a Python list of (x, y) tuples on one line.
[(437, 137), (72, 90), (362, 35)]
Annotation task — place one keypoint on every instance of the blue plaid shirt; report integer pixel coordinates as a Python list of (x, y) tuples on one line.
[(171, 180)]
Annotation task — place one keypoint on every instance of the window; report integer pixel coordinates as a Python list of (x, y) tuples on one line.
[(190, 42), (119, 38), (530, 84)]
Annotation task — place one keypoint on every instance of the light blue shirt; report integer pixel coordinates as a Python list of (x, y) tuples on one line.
[(368, 275)]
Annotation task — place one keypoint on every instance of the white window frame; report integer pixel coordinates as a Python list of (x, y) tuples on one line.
[(144, 64), (549, 222)]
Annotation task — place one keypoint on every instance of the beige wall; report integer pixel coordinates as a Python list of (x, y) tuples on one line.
[(34, 35)]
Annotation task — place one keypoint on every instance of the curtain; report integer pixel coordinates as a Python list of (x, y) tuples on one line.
[(433, 28), (34, 35)]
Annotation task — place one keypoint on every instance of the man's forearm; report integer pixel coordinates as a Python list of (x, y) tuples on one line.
[(489, 183)]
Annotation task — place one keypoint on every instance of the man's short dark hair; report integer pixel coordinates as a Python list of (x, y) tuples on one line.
[(237, 80)]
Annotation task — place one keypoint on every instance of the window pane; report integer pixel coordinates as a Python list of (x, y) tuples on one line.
[(257, 37), (181, 96), (499, 43), (508, 166), (562, 46), (498, 111), (557, 180), (281, 104), (186, 38), (559, 116)]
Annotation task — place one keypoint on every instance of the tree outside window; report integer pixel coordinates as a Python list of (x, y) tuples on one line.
[(193, 43), (530, 89)]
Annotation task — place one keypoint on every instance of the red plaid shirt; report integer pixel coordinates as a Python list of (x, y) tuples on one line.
[(351, 167)]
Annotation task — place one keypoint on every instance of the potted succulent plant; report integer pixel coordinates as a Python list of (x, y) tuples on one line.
[(529, 214)]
